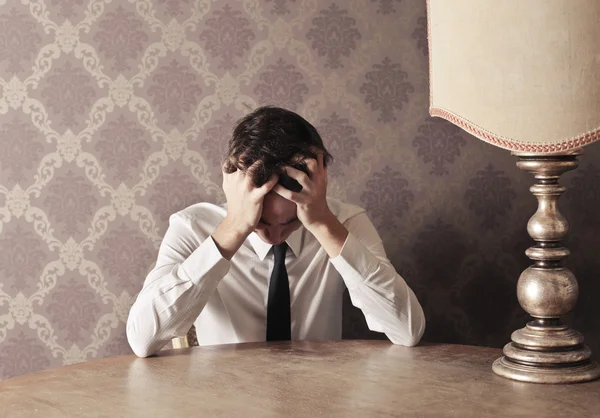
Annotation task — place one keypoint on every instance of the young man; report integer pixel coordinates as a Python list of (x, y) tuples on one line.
[(272, 264)]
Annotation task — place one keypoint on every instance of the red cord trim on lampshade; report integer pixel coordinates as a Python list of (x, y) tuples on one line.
[(509, 144)]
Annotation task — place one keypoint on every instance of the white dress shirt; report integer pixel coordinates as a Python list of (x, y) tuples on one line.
[(227, 300)]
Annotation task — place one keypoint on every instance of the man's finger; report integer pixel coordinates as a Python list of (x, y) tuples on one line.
[(298, 175), (297, 159), (286, 193), (272, 181), (319, 155), (232, 175), (312, 165), (228, 167), (321, 160), (255, 166)]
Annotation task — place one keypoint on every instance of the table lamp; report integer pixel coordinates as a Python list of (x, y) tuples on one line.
[(524, 75)]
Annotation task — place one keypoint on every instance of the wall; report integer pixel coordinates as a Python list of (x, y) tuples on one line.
[(113, 115)]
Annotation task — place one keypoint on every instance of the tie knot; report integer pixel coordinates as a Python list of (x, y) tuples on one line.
[(279, 250)]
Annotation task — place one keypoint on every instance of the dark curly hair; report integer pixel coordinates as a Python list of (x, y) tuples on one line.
[(276, 137)]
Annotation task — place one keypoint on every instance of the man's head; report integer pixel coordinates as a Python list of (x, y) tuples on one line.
[(275, 138)]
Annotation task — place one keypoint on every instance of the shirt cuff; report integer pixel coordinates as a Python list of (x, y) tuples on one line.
[(206, 262), (355, 263)]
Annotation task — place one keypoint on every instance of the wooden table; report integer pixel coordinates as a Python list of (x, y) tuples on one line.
[(299, 379)]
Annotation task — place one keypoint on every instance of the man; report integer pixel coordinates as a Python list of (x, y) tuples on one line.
[(272, 264)]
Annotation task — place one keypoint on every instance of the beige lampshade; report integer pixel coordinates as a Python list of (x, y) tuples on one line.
[(521, 74)]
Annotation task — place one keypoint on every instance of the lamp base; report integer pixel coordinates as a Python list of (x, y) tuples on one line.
[(546, 350), (545, 353), (538, 374)]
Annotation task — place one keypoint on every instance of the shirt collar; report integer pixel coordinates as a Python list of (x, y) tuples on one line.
[(262, 248)]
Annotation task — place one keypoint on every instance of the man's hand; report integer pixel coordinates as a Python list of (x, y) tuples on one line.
[(244, 209), (244, 201), (312, 208), (312, 199)]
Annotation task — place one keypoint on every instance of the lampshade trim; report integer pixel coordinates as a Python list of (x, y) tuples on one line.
[(499, 141), (511, 144)]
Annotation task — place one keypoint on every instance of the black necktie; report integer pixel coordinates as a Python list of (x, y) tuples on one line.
[(278, 305)]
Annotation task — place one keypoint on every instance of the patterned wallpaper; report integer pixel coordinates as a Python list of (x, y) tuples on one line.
[(114, 114)]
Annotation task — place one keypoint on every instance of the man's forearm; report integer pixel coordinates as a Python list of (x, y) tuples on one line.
[(331, 234), (228, 238), (188, 269), (375, 287)]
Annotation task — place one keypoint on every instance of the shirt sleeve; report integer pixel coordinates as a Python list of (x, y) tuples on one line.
[(388, 304), (188, 269)]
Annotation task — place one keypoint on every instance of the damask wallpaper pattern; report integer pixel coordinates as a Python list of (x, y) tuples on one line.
[(115, 114)]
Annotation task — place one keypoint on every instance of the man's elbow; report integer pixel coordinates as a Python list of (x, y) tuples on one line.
[(142, 351), (140, 346), (415, 338), (407, 340), (411, 337)]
